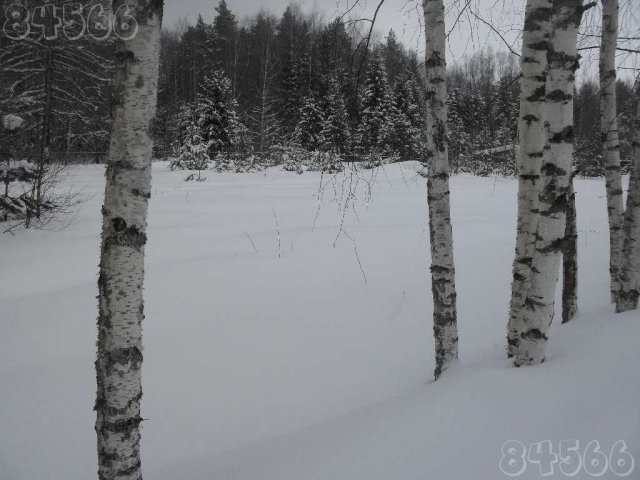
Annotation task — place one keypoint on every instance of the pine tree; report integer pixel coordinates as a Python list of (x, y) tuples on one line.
[(308, 132), (217, 117)]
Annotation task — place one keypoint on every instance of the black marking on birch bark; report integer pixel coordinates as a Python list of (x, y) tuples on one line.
[(536, 154), (440, 138), (137, 193), (532, 304), (534, 334), (435, 60), (538, 95), (125, 236), (529, 177), (558, 96), (125, 427), (127, 472), (550, 169), (530, 119), (564, 136), (519, 277), (114, 412), (111, 359), (541, 46), (554, 247), (535, 17)]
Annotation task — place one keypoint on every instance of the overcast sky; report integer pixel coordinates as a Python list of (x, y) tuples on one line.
[(469, 33)]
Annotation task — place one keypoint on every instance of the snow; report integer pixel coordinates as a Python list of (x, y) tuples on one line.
[(12, 122), (265, 368)]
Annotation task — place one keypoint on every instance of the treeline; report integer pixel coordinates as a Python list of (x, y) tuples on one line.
[(295, 80), (270, 83)]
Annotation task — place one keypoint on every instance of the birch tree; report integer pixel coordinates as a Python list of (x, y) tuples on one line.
[(570, 258), (535, 43), (629, 290), (120, 283), (445, 326), (554, 184), (609, 134)]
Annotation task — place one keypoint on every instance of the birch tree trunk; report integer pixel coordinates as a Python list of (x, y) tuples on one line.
[(124, 237), (570, 259), (445, 327), (554, 184), (533, 63), (610, 143), (630, 265)]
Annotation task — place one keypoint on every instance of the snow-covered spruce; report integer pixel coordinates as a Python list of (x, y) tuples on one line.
[(629, 290), (376, 127), (12, 122), (554, 185), (193, 152), (535, 43), (445, 327), (610, 140), (218, 122), (127, 192)]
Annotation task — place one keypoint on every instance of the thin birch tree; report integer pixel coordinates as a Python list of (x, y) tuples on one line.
[(445, 327), (610, 141), (570, 258), (533, 63), (120, 283), (629, 290), (555, 179)]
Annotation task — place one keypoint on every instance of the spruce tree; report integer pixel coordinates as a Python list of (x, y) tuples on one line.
[(408, 120), (308, 132), (223, 42), (378, 112), (335, 127), (217, 118)]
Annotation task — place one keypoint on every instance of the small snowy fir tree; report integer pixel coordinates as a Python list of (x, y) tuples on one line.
[(193, 153), (308, 132), (217, 118), (378, 112)]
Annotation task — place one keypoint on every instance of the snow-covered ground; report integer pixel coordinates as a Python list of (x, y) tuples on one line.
[(282, 363)]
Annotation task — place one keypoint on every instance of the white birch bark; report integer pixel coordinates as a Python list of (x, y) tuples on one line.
[(124, 212), (533, 63), (443, 289), (630, 265), (554, 184), (610, 142)]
